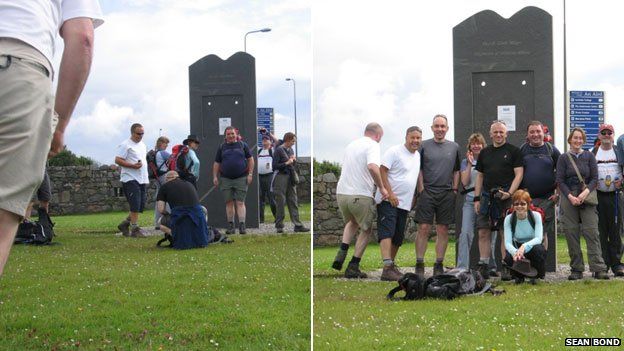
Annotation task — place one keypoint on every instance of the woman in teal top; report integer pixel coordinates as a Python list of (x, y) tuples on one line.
[(526, 236)]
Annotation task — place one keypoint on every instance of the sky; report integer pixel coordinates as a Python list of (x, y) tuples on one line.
[(392, 63), (143, 51)]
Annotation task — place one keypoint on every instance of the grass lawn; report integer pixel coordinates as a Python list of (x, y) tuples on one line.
[(349, 315), (99, 291)]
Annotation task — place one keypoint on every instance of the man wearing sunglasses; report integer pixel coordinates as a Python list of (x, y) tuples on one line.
[(609, 205), (134, 178)]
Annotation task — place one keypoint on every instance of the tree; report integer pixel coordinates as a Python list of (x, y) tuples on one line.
[(68, 158)]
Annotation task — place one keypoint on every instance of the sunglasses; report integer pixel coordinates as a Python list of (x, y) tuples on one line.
[(139, 133), (520, 204), (606, 132)]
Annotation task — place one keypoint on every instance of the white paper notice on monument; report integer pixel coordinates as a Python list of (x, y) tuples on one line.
[(507, 114), (224, 123)]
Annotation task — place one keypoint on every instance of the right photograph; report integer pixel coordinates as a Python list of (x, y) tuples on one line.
[(467, 175)]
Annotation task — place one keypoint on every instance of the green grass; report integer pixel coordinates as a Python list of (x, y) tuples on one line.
[(350, 315), (99, 291)]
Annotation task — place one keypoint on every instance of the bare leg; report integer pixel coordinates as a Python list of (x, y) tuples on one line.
[(422, 237), (362, 242), (485, 241), (441, 241), (28, 210), (165, 229), (229, 210), (241, 210), (386, 248), (393, 252), (349, 232), (134, 217), (8, 228)]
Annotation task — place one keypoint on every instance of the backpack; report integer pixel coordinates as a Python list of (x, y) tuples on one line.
[(447, 286), (153, 168), (549, 147), (177, 161), (39, 232)]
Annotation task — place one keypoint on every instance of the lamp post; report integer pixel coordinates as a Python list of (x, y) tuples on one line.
[(295, 107), (263, 30)]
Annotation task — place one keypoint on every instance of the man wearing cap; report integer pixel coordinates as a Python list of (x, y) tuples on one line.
[(131, 157), (33, 121), (265, 174), (192, 161), (609, 205)]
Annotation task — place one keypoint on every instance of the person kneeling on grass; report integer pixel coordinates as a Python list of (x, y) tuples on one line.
[(187, 222), (524, 240)]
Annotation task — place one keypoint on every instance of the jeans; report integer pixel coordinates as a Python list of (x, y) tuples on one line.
[(464, 242)]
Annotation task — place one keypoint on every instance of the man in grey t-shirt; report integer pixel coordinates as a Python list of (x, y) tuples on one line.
[(437, 188)]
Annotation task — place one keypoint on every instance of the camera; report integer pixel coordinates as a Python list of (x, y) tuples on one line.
[(495, 193)]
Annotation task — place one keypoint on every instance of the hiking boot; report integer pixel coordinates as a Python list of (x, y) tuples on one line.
[(493, 273), (353, 271), (438, 268), (483, 269), (601, 275), (230, 229), (618, 271), (137, 232), (505, 274), (575, 275), (279, 230), (124, 227), (420, 269), (533, 281), (241, 228), (339, 259), (390, 273), (301, 229), (519, 280)]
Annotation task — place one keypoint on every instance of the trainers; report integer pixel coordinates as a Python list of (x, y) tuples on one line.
[(601, 275), (241, 228), (575, 275), (420, 269), (506, 275), (137, 232), (230, 229), (301, 229), (353, 271), (483, 269), (390, 273), (124, 227), (339, 259), (438, 268)]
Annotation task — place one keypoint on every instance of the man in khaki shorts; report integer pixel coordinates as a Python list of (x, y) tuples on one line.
[(29, 128), (354, 193)]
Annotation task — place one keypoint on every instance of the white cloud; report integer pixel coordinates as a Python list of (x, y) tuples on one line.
[(100, 125)]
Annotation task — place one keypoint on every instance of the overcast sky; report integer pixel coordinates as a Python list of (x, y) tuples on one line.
[(392, 63), (142, 54)]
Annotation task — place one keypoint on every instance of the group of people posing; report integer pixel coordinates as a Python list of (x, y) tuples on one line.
[(509, 190), (176, 175)]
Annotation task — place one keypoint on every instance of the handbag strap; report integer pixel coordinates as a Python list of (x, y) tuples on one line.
[(578, 174)]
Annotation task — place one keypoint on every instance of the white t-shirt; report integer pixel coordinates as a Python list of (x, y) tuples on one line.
[(133, 152), (354, 177), (403, 168), (608, 169), (37, 22), (265, 162)]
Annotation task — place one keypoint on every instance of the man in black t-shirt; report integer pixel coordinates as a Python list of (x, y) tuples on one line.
[(499, 173), (176, 192)]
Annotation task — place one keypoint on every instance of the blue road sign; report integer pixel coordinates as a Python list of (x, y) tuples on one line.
[(586, 110), (265, 120)]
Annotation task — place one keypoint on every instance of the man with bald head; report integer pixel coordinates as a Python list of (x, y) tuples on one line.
[(499, 173), (355, 195), (438, 181)]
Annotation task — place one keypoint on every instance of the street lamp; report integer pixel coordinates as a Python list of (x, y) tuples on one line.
[(295, 105), (263, 30)]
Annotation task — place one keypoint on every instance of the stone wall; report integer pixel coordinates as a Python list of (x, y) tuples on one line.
[(91, 189)]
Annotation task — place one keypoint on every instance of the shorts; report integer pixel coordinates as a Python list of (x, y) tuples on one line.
[(357, 207), (440, 206), (483, 218), (391, 222), (136, 194), (44, 193), (233, 189), (26, 124)]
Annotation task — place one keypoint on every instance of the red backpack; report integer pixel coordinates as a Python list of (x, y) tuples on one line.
[(532, 208), (177, 160)]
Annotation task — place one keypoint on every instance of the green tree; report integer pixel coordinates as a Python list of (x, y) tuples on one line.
[(68, 158), (327, 167)]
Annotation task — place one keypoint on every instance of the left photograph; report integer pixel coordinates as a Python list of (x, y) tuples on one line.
[(155, 175)]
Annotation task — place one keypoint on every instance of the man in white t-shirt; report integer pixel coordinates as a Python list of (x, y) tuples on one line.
[(400, 166), (29, 128), (609, 206), (131, 158), (354, 193)]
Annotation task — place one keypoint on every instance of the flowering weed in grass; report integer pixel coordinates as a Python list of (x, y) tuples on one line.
[(99, 291)]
